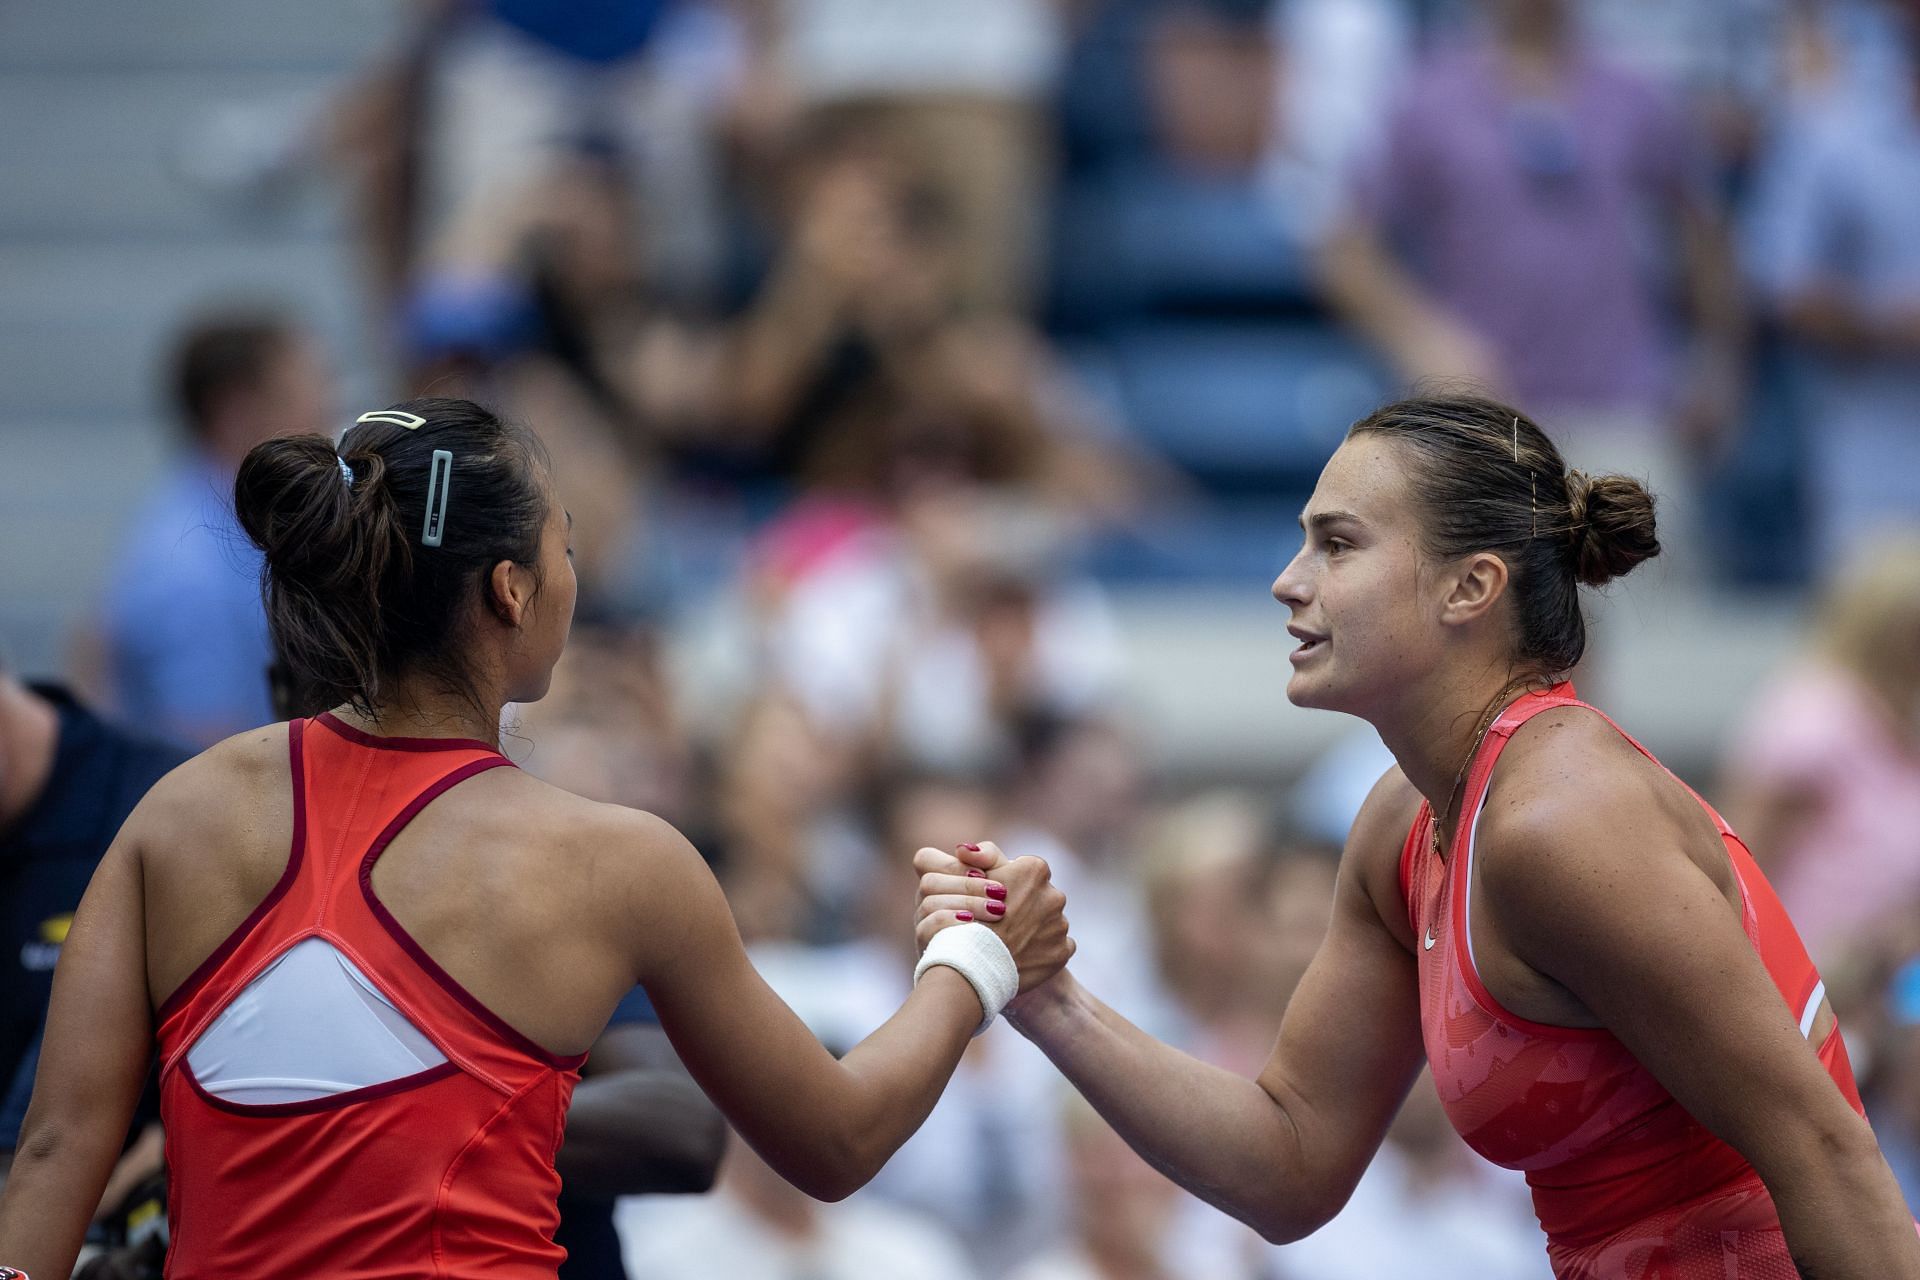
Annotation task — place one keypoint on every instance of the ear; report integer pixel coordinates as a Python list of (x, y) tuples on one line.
[(509, 592), (1478, 581)]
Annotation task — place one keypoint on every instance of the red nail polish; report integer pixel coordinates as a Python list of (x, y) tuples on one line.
[(997, 891), (971, 848), (975, 873), (963, 915), (996, 908)]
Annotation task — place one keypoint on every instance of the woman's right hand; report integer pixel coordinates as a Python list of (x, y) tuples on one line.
[(1016, 898)]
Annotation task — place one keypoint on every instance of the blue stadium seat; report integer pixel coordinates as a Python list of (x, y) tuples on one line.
[(1145, 241)]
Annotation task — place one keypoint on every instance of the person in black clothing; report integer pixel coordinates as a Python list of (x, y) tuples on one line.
[(68, 779)]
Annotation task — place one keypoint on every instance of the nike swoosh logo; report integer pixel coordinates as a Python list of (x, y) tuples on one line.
[(1429, 940)]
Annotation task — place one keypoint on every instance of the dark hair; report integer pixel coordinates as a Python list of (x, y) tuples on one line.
[(1488, 479), (221, 355), (354, 598)]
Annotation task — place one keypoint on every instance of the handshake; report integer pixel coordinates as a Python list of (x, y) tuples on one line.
[(1000, 922)]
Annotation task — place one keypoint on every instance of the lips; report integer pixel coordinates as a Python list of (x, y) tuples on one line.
[(1310, 641)]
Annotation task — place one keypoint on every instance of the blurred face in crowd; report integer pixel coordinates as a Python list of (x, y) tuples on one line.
[(1122, 1205), (1529, 18), (1365, 613)]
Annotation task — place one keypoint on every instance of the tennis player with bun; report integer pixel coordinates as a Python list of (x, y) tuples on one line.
[(372, 952), (1607, 990)]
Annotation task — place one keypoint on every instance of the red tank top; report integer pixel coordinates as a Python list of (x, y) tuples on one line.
[(1627, 1184), (447, 1172)]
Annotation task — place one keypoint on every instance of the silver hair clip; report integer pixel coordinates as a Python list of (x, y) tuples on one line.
[(1533, 485), (346, 472), (439, 485), (397, 417)]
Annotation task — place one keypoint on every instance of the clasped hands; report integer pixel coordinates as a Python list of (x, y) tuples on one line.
[(1014, 897)]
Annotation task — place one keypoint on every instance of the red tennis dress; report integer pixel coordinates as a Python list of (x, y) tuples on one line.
[(445, 1171), (1627, 1184)]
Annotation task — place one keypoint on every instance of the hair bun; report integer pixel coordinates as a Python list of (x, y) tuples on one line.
[(1610, 522)]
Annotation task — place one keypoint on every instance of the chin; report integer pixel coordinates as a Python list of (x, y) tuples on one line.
[(1304, 690)]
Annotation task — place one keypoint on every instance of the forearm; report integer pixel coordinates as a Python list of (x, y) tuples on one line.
[(1844, 1216), (1221, 1136), (1386, 305), (777, 347), (898, 1073), (641, 1132), (828, 1126)]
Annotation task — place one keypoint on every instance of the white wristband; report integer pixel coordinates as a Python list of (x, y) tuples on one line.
[(978, 955)]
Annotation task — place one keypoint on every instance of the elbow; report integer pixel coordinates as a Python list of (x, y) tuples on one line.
[(1289, 1227), (1292, 1214), (841, 1169)]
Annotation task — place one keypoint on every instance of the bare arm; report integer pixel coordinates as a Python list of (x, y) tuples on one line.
[(1281, 1153), (1625, 915), (93, 1063), (638, 1123), (1375, 295), (826, 1126)]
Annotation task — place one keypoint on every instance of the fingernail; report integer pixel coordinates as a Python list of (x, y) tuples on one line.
[(996, 908), (975, 873), (997, 891), (963, 915), (971, 848)]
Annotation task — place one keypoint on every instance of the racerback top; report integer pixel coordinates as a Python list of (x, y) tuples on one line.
[(1626, 1184), (423, 1138)]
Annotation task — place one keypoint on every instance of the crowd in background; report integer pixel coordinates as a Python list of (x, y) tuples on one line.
[(890, 337)]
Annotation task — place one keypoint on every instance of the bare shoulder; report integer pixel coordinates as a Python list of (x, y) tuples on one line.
[(1576, 813), (232, 788), (612, 849)]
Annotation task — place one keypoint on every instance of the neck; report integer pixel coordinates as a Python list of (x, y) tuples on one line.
[(29, 736), (416, 710), (1432, 738)]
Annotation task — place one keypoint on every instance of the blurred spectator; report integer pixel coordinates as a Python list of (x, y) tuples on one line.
[(1427, 1205), (1823, 776), (1893, 1099), (1209, 80), (930, 636), (1835, 244), (859, 362), (185, 629), (517, 88), (68, 779), (1338, 61), (1075, 800), (1124, 1221), (1235, 921), (957, 90), (756, 1226), (1499, 238)]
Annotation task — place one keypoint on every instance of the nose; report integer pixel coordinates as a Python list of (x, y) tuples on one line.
[(1291, 588)]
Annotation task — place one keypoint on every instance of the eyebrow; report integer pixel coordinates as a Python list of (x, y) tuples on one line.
[(1321, 519), (569, 522)]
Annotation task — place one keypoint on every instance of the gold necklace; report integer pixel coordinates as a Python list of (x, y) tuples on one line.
[(1488, 718)]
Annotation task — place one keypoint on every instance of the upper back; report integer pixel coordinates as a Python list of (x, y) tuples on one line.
[(500, 879), (376, 963)]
